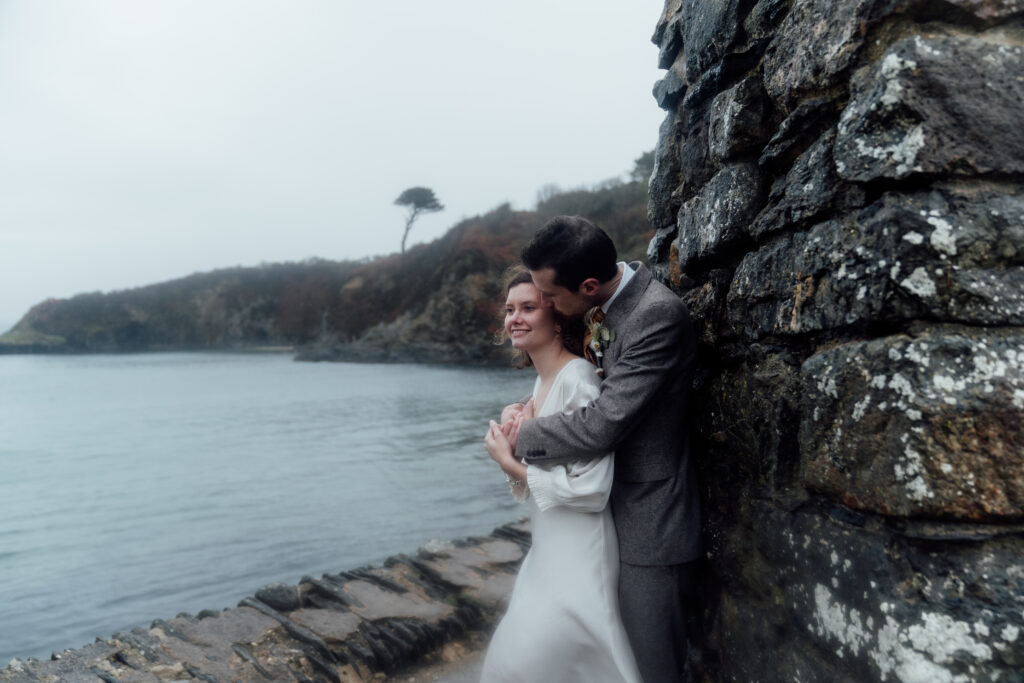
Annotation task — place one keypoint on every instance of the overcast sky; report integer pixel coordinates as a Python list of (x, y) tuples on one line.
[(143, 140)]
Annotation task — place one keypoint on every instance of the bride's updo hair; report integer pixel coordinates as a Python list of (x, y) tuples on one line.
[(571, 328)]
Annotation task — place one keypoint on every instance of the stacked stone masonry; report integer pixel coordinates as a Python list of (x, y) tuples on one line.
[(838, 196), (357, 625)]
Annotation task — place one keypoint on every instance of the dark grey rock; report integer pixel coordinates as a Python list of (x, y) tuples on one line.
[(296, 631), (280, 596), (944, 255), (390, 651), (706, 302), (867, 529), (750, 430), (331, 591), (658, 247), (719, 216), (709, 30), (103, 675), (245, 654), (948, 106), (173, 629), (668, 35), (987, 12), (198, 675), (738, 121), (803, 125), (695, 164), (661, 206), (367, 574), (860, 604), (721, 75), (816, 43), (669, 90), (810, 190), (927, 425), (765, 647), (670, 12), (764, 17)]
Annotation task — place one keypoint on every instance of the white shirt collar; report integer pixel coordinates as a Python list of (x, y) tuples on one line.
[(627, 275)]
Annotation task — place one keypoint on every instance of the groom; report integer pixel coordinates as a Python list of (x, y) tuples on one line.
[(646, 354)]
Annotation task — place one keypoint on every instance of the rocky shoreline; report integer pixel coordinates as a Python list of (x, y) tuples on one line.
[(370, 623)]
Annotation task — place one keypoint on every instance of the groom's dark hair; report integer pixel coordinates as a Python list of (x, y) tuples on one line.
[(575, 248)]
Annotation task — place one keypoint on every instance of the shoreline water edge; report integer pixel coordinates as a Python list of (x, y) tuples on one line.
[(362, 624)]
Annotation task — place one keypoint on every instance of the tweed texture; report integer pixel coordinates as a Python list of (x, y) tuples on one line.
[(641, 414)]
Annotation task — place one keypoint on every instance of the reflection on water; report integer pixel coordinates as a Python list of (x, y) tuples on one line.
[(137, 487)]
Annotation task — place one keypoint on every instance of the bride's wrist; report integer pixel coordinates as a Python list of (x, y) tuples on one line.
[(514, 469)]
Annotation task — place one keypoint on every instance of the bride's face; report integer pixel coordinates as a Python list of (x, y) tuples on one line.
[(529, 322)]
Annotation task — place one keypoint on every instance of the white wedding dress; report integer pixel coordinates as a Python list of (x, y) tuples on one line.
[(562, 623)]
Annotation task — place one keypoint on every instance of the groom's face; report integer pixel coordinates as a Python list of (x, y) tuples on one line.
[(567, 302)]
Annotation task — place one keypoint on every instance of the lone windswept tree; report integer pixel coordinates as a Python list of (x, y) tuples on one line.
[(419, 200)]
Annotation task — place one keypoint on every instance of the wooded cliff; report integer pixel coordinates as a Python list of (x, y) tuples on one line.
[(437, 302)]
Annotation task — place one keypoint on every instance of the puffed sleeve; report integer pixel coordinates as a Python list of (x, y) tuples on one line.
[(583, 486)]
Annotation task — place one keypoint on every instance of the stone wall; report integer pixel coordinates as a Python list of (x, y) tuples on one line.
[(839, 198), (367, 624)]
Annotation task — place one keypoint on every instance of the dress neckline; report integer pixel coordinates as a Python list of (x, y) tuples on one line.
[(554, 383)]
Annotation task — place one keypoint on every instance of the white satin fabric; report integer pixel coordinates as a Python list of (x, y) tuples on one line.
[(563, 622)]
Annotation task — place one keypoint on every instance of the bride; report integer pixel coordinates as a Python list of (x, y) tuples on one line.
[(562, 622)]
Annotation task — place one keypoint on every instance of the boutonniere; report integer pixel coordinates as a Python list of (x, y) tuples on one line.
[(600, 337), (597, 337)]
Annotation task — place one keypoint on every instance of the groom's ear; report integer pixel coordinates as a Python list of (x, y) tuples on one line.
[(590, 286)]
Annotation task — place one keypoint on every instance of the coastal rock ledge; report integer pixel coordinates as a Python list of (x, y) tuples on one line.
[(357, 625)]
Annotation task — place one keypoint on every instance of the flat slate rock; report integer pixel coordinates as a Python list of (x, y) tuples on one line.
[(353, 626)]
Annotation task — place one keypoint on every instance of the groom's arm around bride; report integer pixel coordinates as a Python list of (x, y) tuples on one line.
[(647, 354)]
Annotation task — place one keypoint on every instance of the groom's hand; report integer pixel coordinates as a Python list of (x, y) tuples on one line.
[(510, 411), (509, 417), (527, 412), (511, 428)]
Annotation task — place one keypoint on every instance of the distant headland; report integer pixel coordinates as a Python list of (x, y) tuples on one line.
[(437, 302)]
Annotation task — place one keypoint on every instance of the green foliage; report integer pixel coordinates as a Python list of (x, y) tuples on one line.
[(419, 200), (619, 208), (445, 292), (643, 167)]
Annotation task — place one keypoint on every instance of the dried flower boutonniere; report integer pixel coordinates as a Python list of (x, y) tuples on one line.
[(596, 338)]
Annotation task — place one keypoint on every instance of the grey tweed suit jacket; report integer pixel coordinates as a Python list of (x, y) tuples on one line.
[(641, 415)]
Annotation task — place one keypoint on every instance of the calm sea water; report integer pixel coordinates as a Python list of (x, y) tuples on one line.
[(137, 487)]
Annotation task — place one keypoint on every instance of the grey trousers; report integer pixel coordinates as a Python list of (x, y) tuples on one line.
[(655, 603)]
